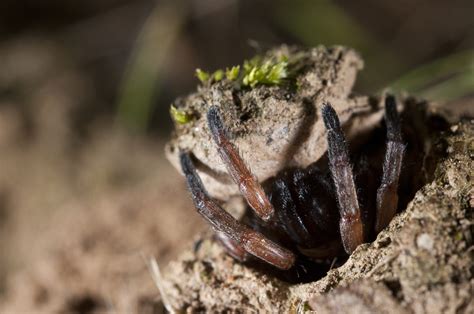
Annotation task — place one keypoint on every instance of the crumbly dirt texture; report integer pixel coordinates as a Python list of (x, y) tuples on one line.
[(274, 126), (87, 248), (79, 218), (78, 225), (421, 263)]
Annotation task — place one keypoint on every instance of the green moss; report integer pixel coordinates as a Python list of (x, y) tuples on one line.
[(269, 70), (232, 74), (266, 72), (218, 75), (180, 116), (203, 76)]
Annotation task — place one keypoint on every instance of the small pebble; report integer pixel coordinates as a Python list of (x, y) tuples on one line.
[(425, 241)]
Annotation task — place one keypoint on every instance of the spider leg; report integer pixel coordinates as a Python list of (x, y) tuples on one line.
[(387, 196), (232, 247), (250, 240), (350, 225), (249, 187)]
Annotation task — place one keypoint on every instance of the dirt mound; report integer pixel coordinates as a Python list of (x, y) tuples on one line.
[(421, 263)]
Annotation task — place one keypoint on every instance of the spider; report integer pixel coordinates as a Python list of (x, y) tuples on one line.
[(300, 214)]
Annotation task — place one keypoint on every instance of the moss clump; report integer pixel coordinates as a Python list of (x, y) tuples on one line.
[(180, 116), (275, 68), (203, 76), (218, 75), (265, 72), (232, 74)]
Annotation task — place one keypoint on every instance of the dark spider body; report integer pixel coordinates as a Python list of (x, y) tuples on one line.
[(303, 217), (304, 210), (306, 216)]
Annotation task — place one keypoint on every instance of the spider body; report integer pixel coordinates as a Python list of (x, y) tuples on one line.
[(305, 219), (306, 214)]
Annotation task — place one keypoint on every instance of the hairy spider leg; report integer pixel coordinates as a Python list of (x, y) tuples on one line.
[(387, 195), (249, 187), (232, 247), (250, 240), (350, 224), (288, 213)]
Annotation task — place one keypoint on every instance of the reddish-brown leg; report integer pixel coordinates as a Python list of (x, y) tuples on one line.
[(350, 225), (250, 240), (249, 187), (232, 247), (387, 196)]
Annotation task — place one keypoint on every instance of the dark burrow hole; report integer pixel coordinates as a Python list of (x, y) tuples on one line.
[(420, 132)]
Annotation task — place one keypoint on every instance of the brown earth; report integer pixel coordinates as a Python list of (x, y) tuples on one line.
[(421, 263), (79, 217), (86, 249), (80, 225)]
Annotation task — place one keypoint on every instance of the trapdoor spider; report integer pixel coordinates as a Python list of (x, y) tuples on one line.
[(296, 217)]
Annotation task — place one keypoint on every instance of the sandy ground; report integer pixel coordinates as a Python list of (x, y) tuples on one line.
[(78, 224), (421, 263), (82, 236), (79, 216)]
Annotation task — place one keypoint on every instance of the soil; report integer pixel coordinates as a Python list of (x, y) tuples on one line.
[(77, 237), (273, 126), (421, 263), (88, 247), (80, 217)]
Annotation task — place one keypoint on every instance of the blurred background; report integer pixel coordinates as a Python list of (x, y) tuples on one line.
[(85, 90)]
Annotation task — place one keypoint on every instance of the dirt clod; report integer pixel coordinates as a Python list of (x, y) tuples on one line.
[(421, 263), (273, 126)]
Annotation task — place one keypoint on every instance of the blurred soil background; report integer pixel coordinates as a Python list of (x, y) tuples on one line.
[(86, 196)]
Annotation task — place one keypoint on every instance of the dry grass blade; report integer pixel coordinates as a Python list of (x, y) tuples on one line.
[(158, 280)]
